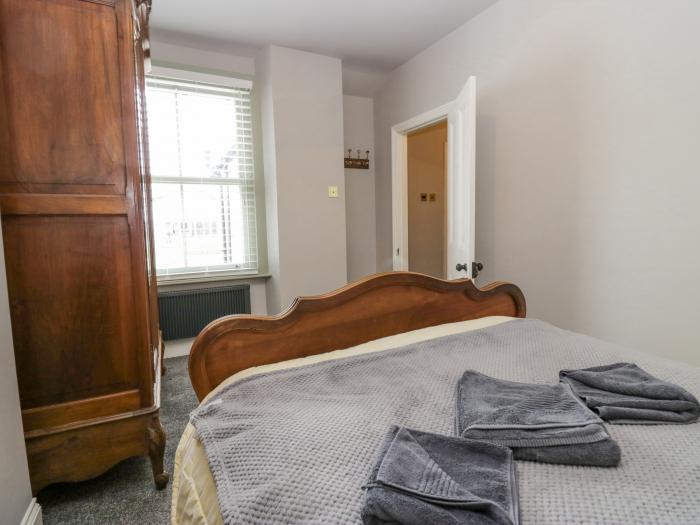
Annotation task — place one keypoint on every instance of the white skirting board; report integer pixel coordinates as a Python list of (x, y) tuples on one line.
[(33, 514), (177, 348)]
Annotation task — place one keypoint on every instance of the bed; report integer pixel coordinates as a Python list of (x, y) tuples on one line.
[(657, 482)]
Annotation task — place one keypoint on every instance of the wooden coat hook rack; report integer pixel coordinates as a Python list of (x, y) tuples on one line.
[(356, 163)]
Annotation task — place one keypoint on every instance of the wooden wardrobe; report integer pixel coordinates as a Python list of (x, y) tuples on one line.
[(75, 203)]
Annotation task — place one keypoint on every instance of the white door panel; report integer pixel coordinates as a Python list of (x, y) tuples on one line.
[(461, 203)]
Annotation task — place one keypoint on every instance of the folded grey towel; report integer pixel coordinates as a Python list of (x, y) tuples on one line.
[(422, 478), (624, 393), (545, 423)]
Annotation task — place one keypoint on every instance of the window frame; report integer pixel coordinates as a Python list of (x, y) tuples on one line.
[(223, 274)]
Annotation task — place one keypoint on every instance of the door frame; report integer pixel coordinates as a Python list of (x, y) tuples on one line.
[(457, 171)]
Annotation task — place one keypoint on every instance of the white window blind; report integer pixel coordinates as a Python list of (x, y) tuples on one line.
[(201, 159)]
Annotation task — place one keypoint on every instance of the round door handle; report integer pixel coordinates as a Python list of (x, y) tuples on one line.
[(476, 268)]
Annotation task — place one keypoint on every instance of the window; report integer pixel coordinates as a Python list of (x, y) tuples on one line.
[(201, 157)]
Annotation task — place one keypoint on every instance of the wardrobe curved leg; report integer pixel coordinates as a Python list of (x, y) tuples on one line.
[(156, 452)]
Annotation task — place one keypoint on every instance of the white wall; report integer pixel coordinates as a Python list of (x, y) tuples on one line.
[(302, 117), (15, 491), (358, 129), (179, 52), (588, 165), (362, 81)]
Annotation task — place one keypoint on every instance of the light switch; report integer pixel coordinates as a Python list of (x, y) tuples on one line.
[(333, 192)]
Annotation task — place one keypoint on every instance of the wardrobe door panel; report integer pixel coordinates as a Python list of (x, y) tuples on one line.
[(62, 105), (71, 296)]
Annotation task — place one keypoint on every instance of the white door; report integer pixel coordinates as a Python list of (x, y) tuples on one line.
[(461, 144)]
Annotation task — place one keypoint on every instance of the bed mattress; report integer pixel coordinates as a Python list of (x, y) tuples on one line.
[(636, 482)]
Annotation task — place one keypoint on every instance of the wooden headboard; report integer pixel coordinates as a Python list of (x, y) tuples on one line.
[(377, 306)]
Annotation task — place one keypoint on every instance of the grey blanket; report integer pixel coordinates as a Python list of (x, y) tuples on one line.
[(624, 393), (545, 423), (422, 478), (296, 446)]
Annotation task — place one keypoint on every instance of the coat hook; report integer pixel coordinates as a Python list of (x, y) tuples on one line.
[(358, 161)]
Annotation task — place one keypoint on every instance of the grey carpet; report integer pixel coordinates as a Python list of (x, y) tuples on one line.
[(126, 494)]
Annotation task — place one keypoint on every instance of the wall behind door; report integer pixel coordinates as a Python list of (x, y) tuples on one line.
[(426, 218)]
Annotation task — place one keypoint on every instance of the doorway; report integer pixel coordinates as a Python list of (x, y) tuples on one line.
[(459, 201), (426, 158)]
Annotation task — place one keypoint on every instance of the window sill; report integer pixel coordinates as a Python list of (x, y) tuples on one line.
[(178, 281)]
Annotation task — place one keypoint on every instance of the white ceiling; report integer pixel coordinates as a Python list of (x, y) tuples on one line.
[(379, 34)]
